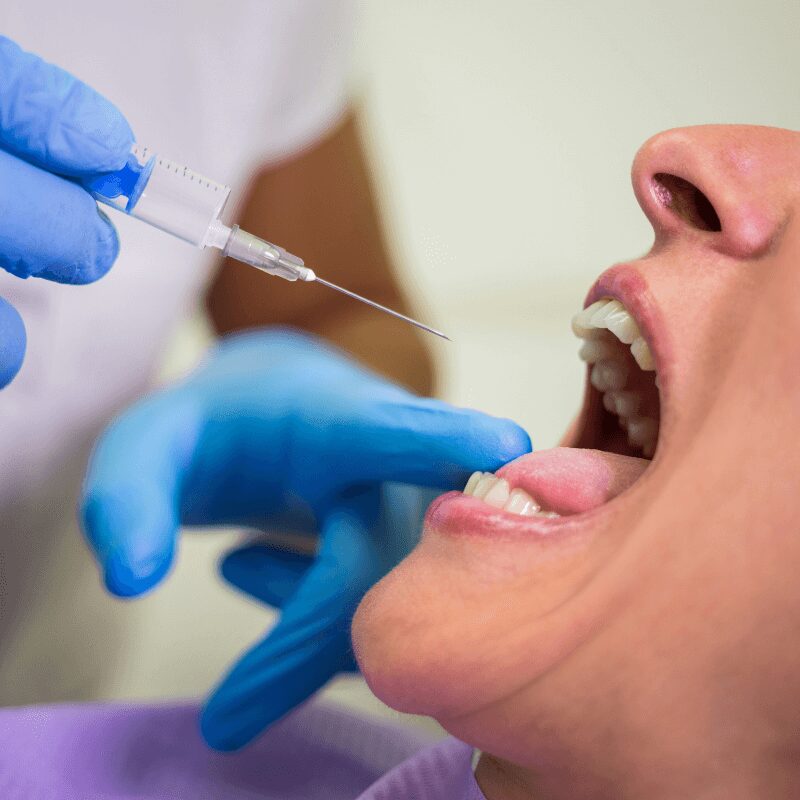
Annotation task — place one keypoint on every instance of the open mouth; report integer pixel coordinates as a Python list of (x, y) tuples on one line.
[(614, 441), (623, 375)]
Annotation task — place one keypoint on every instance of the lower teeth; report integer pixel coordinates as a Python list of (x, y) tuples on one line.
[(496, 492)]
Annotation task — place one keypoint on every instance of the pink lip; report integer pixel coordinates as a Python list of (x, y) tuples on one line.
[(457, 514), (626, 283)]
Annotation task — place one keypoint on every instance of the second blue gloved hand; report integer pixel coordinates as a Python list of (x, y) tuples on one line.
[(275, 429), (51, 125), (361, 539)]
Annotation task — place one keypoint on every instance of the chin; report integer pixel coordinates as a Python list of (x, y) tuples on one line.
[(410, 654)]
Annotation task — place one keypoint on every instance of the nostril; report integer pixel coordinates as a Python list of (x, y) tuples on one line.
[(687, 201)]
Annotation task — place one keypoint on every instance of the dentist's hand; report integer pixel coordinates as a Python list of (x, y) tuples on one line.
[(361, 538), (276, 426), (51, 125)]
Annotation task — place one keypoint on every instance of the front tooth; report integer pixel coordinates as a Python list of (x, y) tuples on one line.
[(497, 494), (600, 316), (581, 322), (549, 514), (622, 325), (520, 502), (484, 485), (594, 350), (472, 482), (608, 375), (642, 430), (641, 352)]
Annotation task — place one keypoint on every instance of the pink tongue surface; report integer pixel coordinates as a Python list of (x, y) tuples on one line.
[(570, 480)]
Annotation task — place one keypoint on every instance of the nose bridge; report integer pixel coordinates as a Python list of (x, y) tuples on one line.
[(716, 184)]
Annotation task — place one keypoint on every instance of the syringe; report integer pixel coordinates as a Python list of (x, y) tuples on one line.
[(181, 202)]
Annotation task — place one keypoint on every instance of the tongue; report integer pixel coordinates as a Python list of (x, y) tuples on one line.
[(570, 480)]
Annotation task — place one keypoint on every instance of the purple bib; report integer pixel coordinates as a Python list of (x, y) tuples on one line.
[(138, 752)]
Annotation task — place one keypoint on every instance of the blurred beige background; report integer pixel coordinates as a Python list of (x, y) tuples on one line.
[(501, 134)]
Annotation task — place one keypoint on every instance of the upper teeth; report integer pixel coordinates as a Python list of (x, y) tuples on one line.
[(610, 373), (641, 352), (613, 316), (498, 493)]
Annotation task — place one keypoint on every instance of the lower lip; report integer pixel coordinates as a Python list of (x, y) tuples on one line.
[(457, 514)]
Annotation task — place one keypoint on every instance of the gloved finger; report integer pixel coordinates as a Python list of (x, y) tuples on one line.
[(12, 342), (50, 227), (422, 441), (268, 574), (311, 641), (130, 507), (52, 119), (361, 427)]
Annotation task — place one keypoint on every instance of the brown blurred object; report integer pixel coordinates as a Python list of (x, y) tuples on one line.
[(320, 205)]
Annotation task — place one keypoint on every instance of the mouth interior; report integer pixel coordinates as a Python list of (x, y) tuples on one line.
[(621, 419), (623, 408)]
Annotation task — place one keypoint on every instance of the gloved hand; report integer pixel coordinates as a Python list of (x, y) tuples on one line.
[(362, 537), (274, 430), (51, 125)]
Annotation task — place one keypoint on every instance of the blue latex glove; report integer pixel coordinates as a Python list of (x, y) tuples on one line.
[(50, 227), (361, 538), (275, 430)]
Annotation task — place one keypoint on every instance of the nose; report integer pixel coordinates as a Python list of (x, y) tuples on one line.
[(723, 185)]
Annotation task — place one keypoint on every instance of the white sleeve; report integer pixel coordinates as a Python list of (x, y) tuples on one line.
[(306, 72)]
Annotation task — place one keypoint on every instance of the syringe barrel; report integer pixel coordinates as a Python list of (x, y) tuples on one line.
[(164, 194)]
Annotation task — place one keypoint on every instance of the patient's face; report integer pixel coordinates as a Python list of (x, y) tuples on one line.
[(658, 592)]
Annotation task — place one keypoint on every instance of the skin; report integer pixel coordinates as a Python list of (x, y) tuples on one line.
[(321, 205), (649, 647)]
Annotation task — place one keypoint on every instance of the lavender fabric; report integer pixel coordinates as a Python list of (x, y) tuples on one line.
[(129, 752), (440, 772)]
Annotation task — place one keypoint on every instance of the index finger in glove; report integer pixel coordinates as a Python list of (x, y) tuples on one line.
[(417, 440), (341, 425), (49, 117)]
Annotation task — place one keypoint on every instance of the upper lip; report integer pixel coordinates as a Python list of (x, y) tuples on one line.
[(626, 283)]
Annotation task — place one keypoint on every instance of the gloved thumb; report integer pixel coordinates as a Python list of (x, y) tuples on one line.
[(12, 342), (132, 492)]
